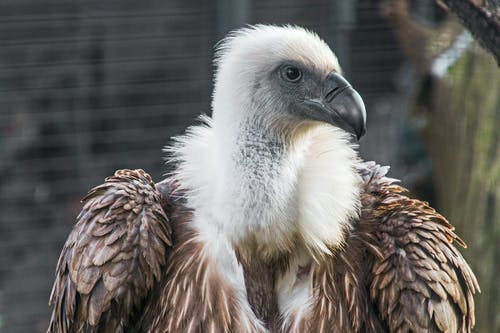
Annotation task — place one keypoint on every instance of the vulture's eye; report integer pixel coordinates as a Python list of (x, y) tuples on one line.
[(291, 73)]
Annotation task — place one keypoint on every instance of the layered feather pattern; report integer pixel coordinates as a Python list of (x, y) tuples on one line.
[(114, 255)]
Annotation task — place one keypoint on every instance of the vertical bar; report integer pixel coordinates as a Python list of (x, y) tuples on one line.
[(231, 14), (342, 19)]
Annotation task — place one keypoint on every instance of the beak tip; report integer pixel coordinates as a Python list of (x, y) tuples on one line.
[(361, 134)]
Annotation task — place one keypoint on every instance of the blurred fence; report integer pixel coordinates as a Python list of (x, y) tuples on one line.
[(87, 87)]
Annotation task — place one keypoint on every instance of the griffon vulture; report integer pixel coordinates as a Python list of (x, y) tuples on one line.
[(269, 221)]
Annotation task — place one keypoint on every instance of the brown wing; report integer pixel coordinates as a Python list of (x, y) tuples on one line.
[(418, 279), (113, 256)]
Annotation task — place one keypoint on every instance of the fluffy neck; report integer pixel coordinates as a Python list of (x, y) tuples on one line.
[(271, 191)]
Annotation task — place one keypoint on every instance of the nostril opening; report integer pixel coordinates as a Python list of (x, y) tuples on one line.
[(329, 96), (334, 92)]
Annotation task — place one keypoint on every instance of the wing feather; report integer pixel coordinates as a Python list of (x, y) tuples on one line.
[(421, 282), (112, 258)]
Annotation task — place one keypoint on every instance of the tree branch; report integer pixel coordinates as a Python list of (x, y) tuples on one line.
[(484, 24)]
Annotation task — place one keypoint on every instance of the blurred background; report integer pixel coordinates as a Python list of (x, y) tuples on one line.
[(87, 87)]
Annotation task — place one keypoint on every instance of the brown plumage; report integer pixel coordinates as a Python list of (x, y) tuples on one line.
[(127, 266), (113, 257)]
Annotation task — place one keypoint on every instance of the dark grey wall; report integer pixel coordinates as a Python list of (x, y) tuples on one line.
[(87, 87)]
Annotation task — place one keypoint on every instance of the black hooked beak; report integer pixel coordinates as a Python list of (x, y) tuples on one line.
[(339, 105)]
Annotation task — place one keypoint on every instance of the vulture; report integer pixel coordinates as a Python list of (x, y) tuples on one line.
[(269, 221)]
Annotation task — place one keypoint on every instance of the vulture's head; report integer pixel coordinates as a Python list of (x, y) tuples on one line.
[(277, 160), (284, 77)]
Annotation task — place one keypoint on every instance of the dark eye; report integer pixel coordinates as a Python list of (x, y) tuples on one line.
[(292, 73)]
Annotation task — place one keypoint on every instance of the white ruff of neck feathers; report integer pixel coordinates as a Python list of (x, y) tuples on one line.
[(328, 190), (311, 192)]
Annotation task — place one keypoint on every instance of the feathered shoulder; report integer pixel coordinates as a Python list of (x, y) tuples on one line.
[(113, 257), (417, 277)]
